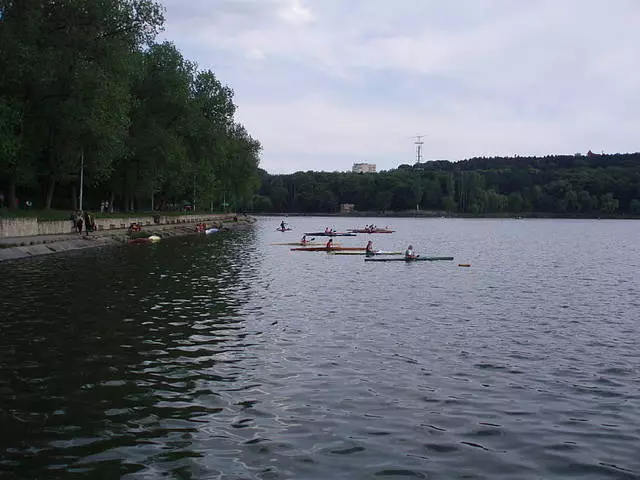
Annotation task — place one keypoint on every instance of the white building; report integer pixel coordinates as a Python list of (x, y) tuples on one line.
[(364, 168)]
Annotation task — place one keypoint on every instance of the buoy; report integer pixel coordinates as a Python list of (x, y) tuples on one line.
[(464, 264)]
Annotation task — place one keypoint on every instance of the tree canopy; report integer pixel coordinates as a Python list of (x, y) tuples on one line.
[(564, 185), (84, 84)]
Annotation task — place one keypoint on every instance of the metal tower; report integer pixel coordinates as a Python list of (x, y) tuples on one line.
[(418, 143)]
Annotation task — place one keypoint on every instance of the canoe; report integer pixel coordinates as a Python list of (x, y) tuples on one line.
[(325, 249), (308, 244), (332, 234), (417, 259), (365, 230), (151, 239), (377, 252)]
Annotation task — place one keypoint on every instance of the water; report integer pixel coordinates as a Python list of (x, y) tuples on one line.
[(228, 357)]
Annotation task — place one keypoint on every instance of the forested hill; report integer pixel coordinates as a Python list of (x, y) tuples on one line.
[(590, 185), (84, 86)]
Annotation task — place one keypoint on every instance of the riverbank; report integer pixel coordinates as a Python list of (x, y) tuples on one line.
[(25, 246)]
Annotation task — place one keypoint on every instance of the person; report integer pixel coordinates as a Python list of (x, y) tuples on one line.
[(79, 221), (303, 240), (329, 244), (87, 223), (409, 253), (369, 250), (326, 230), (72, 217), (283, 226)]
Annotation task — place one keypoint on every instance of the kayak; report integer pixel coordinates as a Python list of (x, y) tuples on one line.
[(209, 231), (376, 252), (325, 249), (283, 230), (308, 244), (151, 239), (366, 230), (417, 259), (332, 234)]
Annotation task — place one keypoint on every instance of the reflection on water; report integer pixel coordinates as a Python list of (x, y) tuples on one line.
[(228, 357)]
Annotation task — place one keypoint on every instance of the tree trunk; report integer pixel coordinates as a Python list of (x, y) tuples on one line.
[(13, 201), (74, 196), (51, 186), (111, 197)]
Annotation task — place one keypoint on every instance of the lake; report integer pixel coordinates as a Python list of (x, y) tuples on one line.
[(228, 357)]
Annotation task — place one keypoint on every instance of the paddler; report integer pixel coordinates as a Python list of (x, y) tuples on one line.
[(283, 226), (409, 254), (369, 250), (329, 244), (303, 240)]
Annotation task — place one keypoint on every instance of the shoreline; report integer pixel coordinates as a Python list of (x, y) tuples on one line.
[(432, 214), (18, 248)]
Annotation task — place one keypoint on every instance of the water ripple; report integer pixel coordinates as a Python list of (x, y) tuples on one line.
[(227, 357)]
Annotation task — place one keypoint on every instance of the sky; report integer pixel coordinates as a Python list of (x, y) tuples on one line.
[(324, 84)]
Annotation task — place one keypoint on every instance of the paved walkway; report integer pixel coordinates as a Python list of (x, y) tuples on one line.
[(35, 239)]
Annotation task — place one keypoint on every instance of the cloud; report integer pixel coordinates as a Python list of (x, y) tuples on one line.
[(255, 54), (328, 84), (293, 11)]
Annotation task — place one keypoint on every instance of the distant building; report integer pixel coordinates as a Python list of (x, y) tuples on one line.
[(347, 207), (364, 168)]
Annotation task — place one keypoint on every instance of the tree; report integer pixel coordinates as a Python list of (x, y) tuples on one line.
[(67, 66)]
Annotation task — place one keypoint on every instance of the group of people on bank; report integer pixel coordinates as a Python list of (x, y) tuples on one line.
[(80, 219)]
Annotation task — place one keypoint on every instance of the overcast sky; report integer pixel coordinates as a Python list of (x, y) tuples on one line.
[(324, 84)]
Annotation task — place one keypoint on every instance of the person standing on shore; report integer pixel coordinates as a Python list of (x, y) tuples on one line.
[(79, 222)]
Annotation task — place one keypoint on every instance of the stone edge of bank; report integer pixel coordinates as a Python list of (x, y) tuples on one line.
[(20, 247)]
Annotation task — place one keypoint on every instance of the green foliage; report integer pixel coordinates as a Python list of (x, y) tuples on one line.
[(83, 83), (555, 185)]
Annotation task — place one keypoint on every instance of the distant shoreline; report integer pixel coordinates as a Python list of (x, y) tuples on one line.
[(431, 214)]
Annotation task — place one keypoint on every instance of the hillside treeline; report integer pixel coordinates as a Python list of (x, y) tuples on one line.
[(564, 185), (83, 84)]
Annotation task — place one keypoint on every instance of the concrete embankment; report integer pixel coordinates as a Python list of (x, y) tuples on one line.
[(22, 246)]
